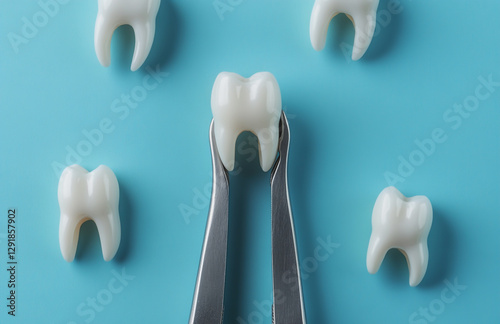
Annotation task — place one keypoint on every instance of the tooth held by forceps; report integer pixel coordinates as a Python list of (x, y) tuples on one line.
[(240, 104), (87, 196), (140, 14)]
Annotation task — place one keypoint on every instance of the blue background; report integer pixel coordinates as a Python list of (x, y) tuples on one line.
[(351, 123)]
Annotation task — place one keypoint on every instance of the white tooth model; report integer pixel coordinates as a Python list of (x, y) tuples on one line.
[(140, 14), (363, 14), (240, 104), (402, 223), (87, 196)]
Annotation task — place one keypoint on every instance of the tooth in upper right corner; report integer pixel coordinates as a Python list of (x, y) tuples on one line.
[(363, 14), (240, 104), (140, 14)]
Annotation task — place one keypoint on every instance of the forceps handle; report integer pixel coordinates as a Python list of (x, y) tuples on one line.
[(288, 305), (208, 301)]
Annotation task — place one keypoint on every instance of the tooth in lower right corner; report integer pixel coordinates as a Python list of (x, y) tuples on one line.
[(363, 14), (240, 104), (403, 223), (140, 14)]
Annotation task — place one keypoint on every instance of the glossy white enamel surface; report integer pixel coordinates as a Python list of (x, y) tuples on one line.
[(87, 196), (140, 14), (403, 223), (363, 14), (240, 104)]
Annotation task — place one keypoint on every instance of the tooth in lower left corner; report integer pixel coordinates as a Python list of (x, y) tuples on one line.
[(362, 13), (87, 196), (140, 14)]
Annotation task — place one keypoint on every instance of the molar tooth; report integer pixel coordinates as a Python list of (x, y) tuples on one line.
[(140, 14), (363, 14), (88, 196), (402, 223), (240, 104)]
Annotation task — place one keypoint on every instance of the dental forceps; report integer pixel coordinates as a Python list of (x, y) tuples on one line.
[(208, 301)]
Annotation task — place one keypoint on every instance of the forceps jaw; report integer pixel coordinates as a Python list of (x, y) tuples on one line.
[(290, 309), (208, 300), (283, 145)]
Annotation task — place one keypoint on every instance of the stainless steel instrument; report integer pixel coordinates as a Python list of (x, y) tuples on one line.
[(208, 301)]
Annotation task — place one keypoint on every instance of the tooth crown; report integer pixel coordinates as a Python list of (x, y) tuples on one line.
[(402, 223), (363, 14), (88, 196), (140, 14), (240, 104), (127, 11)]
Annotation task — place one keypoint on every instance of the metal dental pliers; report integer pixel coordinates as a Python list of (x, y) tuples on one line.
[(209, 292)]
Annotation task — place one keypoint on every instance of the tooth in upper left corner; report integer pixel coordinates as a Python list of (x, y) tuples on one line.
[(363, 14), (140, 14), (87, 196)]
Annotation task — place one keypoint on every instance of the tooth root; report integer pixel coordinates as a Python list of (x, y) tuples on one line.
[(320, 19), (268, 143), (225, 141), (377, 250), (417, 257), (104, 30), (140, 14), (144, 36), (110, 234), (364, 26), (69, 232), (363, 14)]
